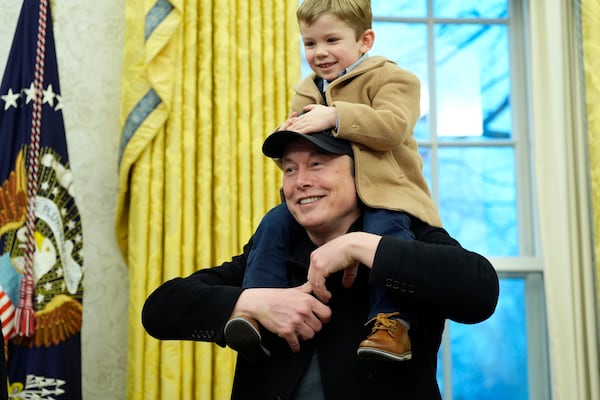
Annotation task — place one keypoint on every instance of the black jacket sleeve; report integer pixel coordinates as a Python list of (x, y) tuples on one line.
[(435, 275), (196, 307)]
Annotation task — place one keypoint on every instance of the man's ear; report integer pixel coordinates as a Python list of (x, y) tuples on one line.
[(367, 40)]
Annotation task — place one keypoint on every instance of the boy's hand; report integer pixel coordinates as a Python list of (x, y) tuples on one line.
[(314, 118), (285, 126)]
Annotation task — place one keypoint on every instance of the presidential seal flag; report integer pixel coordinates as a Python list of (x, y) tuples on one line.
[(41, 264)]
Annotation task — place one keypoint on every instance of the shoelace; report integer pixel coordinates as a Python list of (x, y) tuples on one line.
[(383, 322)]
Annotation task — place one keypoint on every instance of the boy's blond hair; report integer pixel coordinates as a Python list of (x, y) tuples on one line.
[(356, 13)]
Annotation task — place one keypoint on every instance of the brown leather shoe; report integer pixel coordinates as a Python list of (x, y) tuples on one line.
[(388, 340), (242, 334)]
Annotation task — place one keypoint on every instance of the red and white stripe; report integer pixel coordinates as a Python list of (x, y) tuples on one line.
[(7, 315)]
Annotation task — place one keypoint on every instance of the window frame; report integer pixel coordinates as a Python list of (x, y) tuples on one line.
[(528, 265)]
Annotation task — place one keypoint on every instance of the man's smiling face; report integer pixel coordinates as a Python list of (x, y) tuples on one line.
[(319, 189)]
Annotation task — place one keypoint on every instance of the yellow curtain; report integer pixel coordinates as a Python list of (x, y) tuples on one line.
[(203, 83), (590, 27)]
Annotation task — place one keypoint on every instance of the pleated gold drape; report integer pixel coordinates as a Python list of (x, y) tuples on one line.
[(203, 83), (590, 27)]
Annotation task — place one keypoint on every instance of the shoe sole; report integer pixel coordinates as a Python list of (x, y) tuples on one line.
[(373, 354), (243, 337)]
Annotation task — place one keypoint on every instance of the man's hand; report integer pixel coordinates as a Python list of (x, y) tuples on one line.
[(294, 314), (343, 253)]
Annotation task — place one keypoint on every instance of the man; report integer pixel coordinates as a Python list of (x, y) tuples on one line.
[(312, 340)]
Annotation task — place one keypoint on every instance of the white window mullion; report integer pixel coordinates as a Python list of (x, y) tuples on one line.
[(537, 338), (521, 129)]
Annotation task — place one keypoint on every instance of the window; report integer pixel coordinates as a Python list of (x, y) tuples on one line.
[(475, 145)]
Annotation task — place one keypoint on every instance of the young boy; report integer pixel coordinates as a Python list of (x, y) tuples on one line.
[(374, 104)]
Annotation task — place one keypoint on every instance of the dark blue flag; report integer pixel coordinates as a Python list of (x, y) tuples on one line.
[(41, 257)]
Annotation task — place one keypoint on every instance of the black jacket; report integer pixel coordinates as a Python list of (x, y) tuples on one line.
[(433, 277)]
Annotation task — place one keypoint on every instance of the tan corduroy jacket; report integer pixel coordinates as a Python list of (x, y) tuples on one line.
[(377, 107)]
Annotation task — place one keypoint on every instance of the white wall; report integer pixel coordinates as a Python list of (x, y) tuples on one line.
[(89, 37)]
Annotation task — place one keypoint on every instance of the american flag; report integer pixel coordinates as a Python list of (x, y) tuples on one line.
[(41, 263), (7, 315)]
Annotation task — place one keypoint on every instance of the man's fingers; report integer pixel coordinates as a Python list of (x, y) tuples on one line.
[(322, 312), (324, 295), (306, 287), (294, 343), (293, 338), (349, 277), (320, 290), (314, 325), (317, 283), (306, 331)]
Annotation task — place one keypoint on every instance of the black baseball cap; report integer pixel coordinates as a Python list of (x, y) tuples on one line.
[(275, 143)]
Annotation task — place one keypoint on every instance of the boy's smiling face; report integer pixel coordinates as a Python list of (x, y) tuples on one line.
[(331, 45)]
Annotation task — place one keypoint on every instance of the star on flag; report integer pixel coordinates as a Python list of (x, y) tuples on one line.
[(49, 96)]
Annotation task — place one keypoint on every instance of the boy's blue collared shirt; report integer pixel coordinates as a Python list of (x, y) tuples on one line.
[(349, 69), (325, 83)]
